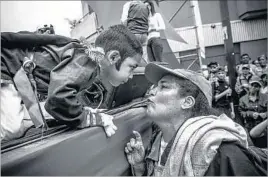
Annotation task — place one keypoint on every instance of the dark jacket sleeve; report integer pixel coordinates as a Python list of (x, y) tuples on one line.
[(233, 160), (213, 85), (67, 79), (243, 109), (30, 39)]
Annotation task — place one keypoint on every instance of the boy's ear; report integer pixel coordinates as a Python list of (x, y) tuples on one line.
[(187, 102), (113, 56)]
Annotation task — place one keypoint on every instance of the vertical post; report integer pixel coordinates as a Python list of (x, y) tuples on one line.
[(229, 52), (198, 30), (228, 42)]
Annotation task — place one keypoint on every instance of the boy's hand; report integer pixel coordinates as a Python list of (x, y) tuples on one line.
[(95, 118), (107, 124), (135, 150), (229, 91)]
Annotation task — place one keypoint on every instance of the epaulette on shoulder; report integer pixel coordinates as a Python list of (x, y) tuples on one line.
[(95, 54)]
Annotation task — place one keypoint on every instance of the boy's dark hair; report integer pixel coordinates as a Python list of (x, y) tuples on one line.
[(212, 63), (201, 106), (118, 37), (220, 68), (245, 54)]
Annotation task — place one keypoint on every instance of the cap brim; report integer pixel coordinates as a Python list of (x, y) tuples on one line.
[(251, 82), (155, 72)]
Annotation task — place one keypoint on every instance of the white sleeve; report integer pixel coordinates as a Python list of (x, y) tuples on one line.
[(160, 21), (125, 13)]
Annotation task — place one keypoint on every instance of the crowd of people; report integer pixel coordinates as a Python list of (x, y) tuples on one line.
[(251, 91), (193, 131)]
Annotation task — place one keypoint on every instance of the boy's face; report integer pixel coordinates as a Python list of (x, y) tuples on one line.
[(221, 75), (245, 71), (245, 59), (213, 68), (125, 72)]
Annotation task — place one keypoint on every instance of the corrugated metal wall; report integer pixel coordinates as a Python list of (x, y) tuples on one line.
[(241, 31)]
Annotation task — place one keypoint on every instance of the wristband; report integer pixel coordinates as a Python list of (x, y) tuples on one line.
[(95, 119)]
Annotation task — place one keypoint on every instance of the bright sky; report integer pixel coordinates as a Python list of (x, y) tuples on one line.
[(28, 15)]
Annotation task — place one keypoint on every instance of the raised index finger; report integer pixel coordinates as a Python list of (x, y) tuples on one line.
[(137, 136)]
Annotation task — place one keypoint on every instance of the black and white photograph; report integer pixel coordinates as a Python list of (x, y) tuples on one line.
[(134, 88)]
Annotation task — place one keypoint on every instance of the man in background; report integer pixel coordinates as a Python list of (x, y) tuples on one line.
[(212, 69), (135, 17), (263, 67), (244, 60), (253, 105), (222, 94), (242, 81)]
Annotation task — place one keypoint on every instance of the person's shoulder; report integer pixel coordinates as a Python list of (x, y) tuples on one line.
[(158, 15), (243, 98), (252, 65), (263, 97), (233, 159), (135, 3), (229, 149)]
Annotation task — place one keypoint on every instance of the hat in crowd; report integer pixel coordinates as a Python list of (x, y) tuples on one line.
[(246, 66), (212, 63), (154, 73), (220, 68), (264, 74), (255, 79)]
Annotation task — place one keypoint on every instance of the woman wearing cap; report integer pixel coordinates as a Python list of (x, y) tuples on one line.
[(253, 106), (242, 82)]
